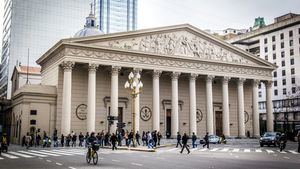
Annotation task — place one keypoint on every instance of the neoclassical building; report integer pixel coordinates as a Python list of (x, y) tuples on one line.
[(193, 82)]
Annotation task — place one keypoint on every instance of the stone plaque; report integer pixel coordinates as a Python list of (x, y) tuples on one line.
[(145, 113), (81, 111)]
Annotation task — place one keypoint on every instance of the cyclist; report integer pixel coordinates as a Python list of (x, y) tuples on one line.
[(92, 140), (282, 141)]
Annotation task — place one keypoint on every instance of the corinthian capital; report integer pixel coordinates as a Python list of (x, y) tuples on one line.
[(255, 82), (241, 81), (175, 75), (209, 78), (67, 65), (115, 70), (193, 76), (93, 67), (225, 79), (268, 83), (156, 73)]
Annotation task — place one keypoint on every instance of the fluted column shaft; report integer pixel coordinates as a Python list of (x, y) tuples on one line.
[(66, 98), (270, 125), (209, 105), (225, 114), (174, 113), (256, 132), (241, 111), (91, 104), (193, 107), (114, 96), (155, 101)]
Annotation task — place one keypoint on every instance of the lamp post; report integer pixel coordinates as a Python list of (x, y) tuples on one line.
[(134, 85)]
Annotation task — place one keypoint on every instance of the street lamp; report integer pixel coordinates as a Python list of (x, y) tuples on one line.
[(134, 85)]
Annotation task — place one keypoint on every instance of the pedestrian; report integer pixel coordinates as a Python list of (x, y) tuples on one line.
[(178, 140), (27, 140), (23, 141), (87, 135), (137, 137), (185, 139), (120, 138), (206, 139), (102, 138), (113, 140), (68, 140), (130, 138), (154, 137), (149, 140), (194, 138), (38, 140), (298, 137), (144, 138), (81, 139), (55, 140), (126, 138), (159, 136), (74, 139), (62, 140)]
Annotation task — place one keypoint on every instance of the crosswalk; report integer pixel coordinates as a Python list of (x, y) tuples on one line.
[(41, 153), (230, 150)]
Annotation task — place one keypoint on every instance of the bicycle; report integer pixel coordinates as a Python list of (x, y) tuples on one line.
[(92, 153)]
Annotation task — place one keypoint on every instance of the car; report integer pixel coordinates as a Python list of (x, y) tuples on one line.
[(269, 138), (214, 139)]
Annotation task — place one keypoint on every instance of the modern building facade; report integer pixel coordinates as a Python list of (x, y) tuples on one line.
[(35, 25), (278, 43), (193, 82), (116, 15)]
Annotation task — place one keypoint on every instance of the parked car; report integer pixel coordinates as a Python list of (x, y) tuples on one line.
[(269, 138), (214, 139)]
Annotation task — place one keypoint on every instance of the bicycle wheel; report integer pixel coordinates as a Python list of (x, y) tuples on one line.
[(95, 158), (88, 157)]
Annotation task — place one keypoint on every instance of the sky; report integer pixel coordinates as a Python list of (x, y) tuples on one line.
[(206, 14)]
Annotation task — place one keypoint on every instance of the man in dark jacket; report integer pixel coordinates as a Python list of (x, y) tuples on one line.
[(194, 138), (113, 139), (185, 139), (206, 139), (178, 140)]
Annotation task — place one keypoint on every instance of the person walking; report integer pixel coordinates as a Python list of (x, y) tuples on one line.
[(81, 139), (137, 137), (74, 139), (298, 137), (62, 140), (55, 140), (38, 140), (194, 138), (113, 140), (178, 140), (27, 140), (126, 138), (206, 139), (154, 137), (185, 139), (159, 136), (149, 140), (87, 135), (144, 138)]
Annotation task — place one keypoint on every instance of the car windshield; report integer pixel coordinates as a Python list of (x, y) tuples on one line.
[(269, 134)]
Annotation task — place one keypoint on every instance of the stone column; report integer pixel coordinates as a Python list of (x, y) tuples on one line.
[(91, 104), (241, 113), (209, 105), (193, 106), (225, 113), (137, 104), (114, 96), (255, 112), (174, 113), (66, 98), (270, 126), (156, 100)]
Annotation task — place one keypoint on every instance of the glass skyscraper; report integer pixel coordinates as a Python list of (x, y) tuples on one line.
[(116, 15), (36, 25)]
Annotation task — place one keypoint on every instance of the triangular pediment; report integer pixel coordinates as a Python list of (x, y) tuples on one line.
[(175, 41)]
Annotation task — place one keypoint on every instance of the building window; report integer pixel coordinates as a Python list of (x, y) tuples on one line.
[(293, 80), (284, 91), (265, 40), (274, 47), (259, 86), (282, 54), (273, 38), (259, 94), (282, 63), (292, 61), (275, 92), (292, 71), (281, 36), (33, 112), (275, 74), (283, 72), (291, 52), (283, 82), (266, 49), (293, 90), (266, 57), (274, 56), (291, 42), (32, 122), (275, 83), (291, 33), (282, 45), (299, 31)]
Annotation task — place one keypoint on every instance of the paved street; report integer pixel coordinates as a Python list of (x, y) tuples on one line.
[(218, 156)]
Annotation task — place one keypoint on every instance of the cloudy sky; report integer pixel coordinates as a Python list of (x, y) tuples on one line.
[(206, 14)]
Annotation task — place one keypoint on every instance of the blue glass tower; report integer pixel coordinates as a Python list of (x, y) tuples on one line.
[(116, 15)]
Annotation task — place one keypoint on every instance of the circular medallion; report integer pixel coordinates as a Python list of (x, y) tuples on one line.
[(246, 116), (145, 113), (199, 115), (81, 111)]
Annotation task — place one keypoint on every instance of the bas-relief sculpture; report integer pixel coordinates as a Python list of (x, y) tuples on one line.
[(179, 44)]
